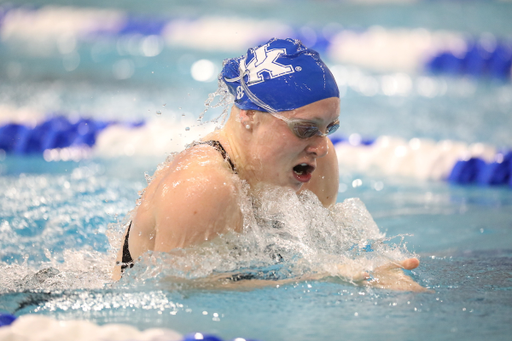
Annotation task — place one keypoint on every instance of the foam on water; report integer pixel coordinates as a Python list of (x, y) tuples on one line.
[(286, 236), (53, 227), (77, 270), (285, 239)]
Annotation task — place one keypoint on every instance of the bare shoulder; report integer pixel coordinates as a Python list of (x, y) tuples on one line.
[(325, 180), (191, 199), (202, 173), (201, 167)]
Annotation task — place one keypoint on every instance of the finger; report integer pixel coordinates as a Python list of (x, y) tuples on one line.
[(408, 264), (411, 263), (388, 266)]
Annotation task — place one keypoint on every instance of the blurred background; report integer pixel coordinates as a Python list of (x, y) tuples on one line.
[(405, 68)]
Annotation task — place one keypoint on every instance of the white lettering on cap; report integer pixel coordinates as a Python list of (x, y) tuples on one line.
[(265, 61)]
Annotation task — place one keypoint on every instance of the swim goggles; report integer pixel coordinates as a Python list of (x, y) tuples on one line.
[(303, 129)]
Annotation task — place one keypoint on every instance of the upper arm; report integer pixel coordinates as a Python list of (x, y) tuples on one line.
[(194, 204), (325, 180), (199, 209)]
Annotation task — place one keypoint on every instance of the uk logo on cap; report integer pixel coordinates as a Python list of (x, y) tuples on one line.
[(265, 60)]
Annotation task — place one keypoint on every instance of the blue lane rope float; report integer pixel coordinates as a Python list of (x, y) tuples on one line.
[(200, 336), (342, 139), (55, 132), (477, 171), (6, 319), (478, 59), (472, 171), (466, 172), (143, 26), (207, 337)]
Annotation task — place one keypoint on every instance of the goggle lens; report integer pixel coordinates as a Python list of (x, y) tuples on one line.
[(333, 127), (305, 130)]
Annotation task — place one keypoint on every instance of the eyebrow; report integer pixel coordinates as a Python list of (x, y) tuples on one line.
[(315, 120)]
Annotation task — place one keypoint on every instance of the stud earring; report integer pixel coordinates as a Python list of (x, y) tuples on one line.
[(247, 126)]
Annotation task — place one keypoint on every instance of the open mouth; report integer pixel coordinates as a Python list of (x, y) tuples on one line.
[(302, 172)]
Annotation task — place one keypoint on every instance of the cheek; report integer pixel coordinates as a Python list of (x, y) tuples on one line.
[(277, 150), (287, 154)]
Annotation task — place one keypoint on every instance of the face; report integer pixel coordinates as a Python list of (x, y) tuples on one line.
[(282, 158)]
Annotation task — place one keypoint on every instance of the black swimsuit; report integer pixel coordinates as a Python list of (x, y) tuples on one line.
[(127, 260)]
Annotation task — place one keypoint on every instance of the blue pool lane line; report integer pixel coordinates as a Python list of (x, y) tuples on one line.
[(476, 170), (477, 59), (58, 132), (55, 132), (207, 337), (468, 171)]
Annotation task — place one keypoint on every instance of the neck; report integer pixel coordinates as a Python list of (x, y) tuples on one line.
[(236, 140)]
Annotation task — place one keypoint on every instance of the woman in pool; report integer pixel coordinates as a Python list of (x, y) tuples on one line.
[(286, 103)]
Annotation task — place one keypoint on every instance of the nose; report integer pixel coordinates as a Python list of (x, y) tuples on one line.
[(318, 146)]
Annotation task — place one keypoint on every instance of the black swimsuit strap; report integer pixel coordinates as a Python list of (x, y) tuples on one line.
[(127, 260), (216, 144)]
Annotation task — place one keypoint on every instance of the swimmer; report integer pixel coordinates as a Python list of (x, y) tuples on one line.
[(286, 104)]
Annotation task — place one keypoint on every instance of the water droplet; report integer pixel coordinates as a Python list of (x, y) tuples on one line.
[(158, 112)]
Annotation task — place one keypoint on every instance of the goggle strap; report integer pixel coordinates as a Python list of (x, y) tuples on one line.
[(252, 96)]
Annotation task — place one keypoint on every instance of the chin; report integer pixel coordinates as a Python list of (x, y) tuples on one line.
[(294, 187), (297, 187)]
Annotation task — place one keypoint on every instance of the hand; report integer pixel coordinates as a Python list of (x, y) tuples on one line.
[(391, 276)]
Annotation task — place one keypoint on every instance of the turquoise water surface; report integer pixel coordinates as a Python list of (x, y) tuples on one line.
[(55, 217)]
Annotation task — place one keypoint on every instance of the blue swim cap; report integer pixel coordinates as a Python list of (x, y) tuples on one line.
[(279, 75)]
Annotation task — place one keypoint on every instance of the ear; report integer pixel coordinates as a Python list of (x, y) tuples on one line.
[(247, 116)]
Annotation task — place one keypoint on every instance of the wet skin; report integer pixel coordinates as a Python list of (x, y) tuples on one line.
[(196, 196), (273, 150)]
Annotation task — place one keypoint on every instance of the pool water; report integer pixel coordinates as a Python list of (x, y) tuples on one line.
[(56, 217), (461, 234)]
